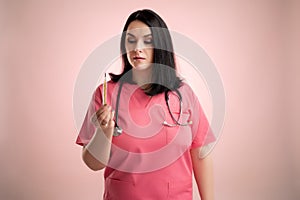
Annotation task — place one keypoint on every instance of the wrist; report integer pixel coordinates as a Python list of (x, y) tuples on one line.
[(100, 145)]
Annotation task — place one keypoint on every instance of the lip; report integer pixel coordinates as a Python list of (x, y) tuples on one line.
[(138, 58)]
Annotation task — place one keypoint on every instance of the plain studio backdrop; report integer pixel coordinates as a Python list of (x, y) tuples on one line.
[(253, 44)]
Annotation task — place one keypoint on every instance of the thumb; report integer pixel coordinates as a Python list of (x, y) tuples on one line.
[(111, 120)]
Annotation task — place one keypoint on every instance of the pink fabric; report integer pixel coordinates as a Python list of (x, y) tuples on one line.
[(149, 160)]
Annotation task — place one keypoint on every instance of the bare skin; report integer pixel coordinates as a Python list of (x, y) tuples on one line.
[(103, 120)]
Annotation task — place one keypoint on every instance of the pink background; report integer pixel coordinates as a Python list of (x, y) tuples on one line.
[(253, 44)]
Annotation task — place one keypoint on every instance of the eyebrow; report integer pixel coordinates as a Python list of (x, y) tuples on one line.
[(147, 35)]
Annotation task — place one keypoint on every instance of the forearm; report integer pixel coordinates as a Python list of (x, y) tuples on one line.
[(97, 152), (203, 172)]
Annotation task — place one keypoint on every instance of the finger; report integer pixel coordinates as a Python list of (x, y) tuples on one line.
[(112, 115), (103, 109), (111, 122), (106, 119), (104, 114), (104, 123), (99, 117), (94, 119)]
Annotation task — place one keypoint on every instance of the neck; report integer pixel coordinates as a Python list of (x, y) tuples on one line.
[(142, 77)]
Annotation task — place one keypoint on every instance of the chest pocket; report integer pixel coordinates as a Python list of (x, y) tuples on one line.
[(177, 126), (179, 135), (177, 123)]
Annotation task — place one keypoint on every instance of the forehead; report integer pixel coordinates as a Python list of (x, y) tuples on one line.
[(138, 28)]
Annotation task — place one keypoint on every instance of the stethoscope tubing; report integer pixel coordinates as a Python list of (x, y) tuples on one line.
[(118, 130)]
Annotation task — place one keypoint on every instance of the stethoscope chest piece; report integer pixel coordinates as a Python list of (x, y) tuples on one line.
[(117, 131)]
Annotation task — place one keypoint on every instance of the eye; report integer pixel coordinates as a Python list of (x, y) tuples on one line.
[(131, 40), (148, 41)]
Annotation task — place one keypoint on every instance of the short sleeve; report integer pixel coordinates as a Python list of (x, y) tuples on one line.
[(201, 130), (87, 129)]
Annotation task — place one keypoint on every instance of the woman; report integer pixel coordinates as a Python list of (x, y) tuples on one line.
[(150, 132)]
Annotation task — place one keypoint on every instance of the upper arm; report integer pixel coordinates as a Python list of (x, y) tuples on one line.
[(200, 165)]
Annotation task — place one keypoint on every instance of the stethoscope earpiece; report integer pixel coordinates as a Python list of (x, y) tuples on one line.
[(165, 123)]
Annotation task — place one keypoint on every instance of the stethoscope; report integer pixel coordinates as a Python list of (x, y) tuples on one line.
[(118, 130)]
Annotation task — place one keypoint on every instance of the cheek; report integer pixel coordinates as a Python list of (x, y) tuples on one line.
[(127, 48), (150, 53)]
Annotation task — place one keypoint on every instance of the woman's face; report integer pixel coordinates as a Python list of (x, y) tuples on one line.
[(139, 45)]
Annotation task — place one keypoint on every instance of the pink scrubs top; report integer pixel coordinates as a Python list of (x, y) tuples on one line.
[(150, 160)]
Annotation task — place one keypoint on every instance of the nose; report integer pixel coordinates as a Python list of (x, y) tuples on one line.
[(139, 46)]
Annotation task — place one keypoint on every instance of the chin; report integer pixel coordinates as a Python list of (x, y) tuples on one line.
[(141, 67)]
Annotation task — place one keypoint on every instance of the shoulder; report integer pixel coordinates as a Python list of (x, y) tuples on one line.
[(186, 91), (185, 86), (110, 86)]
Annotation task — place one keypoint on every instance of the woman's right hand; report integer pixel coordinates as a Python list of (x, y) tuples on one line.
[(104, 119)]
